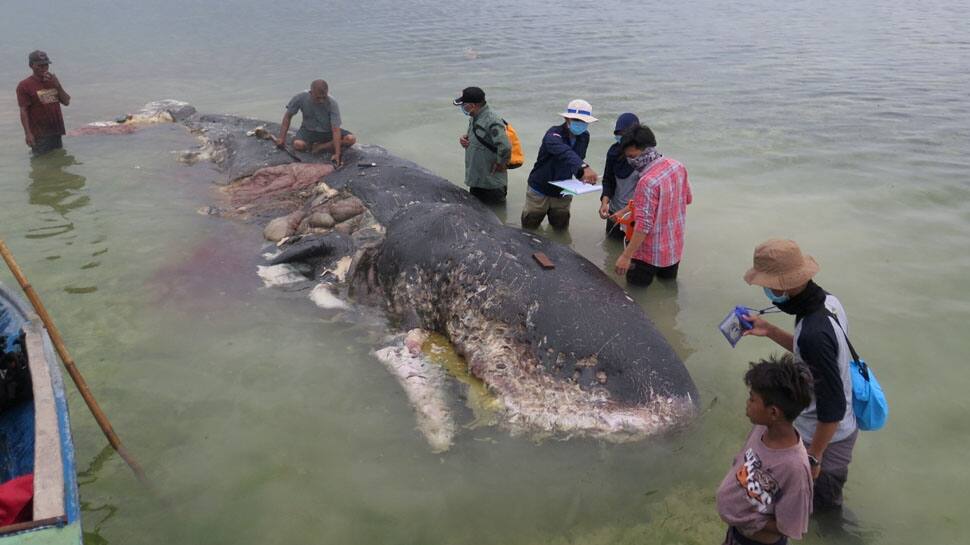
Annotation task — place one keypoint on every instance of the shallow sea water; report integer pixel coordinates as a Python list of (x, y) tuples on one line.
[(263, 419)]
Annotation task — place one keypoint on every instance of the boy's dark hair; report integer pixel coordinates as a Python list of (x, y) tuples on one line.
[(640, 137), (782, 383)]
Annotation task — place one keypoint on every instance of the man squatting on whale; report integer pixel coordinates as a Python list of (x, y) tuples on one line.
[(320, 129)]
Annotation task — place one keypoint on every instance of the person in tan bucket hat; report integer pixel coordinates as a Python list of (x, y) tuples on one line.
[(827, 426), (780, 265)]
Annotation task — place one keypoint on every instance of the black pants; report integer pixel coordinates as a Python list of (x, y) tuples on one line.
[(43, 144), (489, 196), (641, 273)]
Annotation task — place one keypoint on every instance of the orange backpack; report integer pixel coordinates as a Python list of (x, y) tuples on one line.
[(516, 159)]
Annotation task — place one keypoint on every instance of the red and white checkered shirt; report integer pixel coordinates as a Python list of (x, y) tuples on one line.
[(661, 200)]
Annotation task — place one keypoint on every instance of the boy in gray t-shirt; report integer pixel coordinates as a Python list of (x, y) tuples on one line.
[(766, 497)]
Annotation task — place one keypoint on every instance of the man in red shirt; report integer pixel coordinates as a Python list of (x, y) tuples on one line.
[(40, 97)]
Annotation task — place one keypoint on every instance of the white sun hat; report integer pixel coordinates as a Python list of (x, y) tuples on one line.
[(579, 109)]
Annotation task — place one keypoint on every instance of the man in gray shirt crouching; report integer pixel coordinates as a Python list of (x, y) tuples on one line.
[(320, 130)]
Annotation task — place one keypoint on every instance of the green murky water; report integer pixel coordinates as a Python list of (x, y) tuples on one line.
[(263, 419)]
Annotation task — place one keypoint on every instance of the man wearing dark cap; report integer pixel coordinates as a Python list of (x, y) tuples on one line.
[(40, 97), (487, 148), (619, 177)]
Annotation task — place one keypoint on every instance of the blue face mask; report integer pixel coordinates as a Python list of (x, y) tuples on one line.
[(464, 111), (577, 127), (776, 299)]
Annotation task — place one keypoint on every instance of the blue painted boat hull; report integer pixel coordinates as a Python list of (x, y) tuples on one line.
[(35, 437)]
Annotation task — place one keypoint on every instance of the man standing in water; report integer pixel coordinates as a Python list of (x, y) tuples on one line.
[(828, 425), (660, 202), (561, 157), (487, 148), (320, 130), (40, 97)]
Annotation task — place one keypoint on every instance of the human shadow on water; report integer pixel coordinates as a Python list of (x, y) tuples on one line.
[(51, 185), (841, 526)]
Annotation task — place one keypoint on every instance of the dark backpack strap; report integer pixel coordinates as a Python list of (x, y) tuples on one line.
[(492, 148), (855, 356)]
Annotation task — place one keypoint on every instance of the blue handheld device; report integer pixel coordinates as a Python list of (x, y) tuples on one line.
[(741, 312)]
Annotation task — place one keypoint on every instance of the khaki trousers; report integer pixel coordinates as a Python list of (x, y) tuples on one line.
[(537, 207)]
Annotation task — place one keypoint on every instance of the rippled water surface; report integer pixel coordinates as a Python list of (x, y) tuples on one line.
[(262, 419)]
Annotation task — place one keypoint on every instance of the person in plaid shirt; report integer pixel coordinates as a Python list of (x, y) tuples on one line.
[(660, 210)]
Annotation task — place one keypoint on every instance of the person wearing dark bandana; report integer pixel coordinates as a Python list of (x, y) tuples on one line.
[(828, 425)]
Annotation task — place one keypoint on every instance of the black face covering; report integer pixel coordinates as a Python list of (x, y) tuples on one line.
[(621, 167), (809, 300)]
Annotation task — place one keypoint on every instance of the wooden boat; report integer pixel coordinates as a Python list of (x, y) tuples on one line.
[(35, 437)]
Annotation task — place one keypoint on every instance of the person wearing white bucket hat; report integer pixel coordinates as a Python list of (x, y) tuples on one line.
[(581, 110), (828, 425), (562, 156)]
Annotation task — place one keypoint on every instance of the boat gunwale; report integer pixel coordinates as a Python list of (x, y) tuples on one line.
[(49, 492), (33, 525), (62, 505)]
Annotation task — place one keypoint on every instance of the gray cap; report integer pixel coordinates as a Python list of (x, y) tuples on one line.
[(38, 57)]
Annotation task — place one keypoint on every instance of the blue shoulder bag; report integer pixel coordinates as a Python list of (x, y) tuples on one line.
[(868, 400)]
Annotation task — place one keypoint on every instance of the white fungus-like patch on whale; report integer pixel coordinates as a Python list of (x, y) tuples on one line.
[(279, 275), (424, 384), (324, 298)]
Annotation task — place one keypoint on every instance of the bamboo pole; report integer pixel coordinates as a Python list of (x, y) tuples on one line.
[(68, 362)]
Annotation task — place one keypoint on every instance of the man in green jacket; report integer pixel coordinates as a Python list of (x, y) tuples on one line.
[(487, 148)]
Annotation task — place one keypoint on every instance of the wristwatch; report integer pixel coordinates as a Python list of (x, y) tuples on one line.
[(813, 461)]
